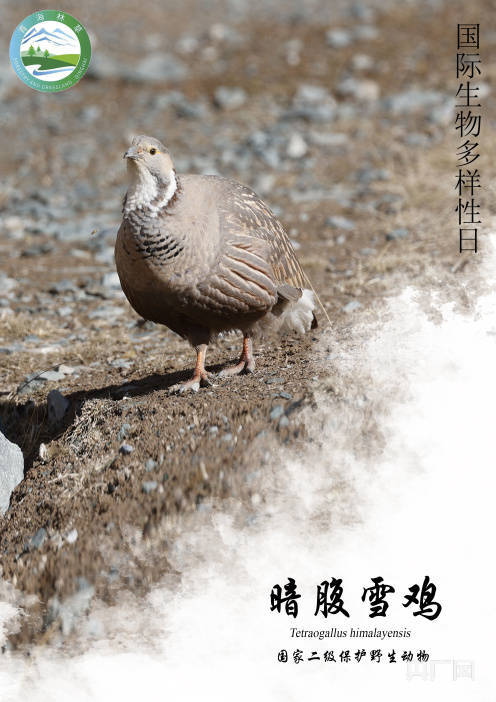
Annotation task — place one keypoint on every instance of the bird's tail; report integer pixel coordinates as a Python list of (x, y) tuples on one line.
[(314, 321)]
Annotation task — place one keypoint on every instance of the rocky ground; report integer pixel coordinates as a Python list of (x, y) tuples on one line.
[(342, 119)]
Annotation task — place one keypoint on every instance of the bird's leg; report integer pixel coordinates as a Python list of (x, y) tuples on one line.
[(246, 361), (200, 376)]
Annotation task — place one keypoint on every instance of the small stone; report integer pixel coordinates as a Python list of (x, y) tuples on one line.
[(276, 412), (121, 363), (227, 437), (339, 222), (293, 48), (399, 233), (90, 113), (484, 91), (272, 381), (187, 44), (6, 284), (14, 224), (39, 250), (417, 139), (30, 384), (224, 33), (111, 280), (51, 376), (105, 255), (149, 486), (150, 464), (37, 540), (64, 311), (313, 103), (213, 430), (338, 38), (71, 537), (43, 453), (126, 449), (109, 312), (297, 146), (362, 12), (124, 432), (229, 98), (328, 139), (362, 62), (62, 286), (347, 111), (352, 305), (80, 253), (369, 175), (443, 114), (415, 99), (264, 183), (361, 90), (283, 422)]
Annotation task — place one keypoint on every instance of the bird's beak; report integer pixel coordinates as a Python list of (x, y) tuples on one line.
[(132, 152)]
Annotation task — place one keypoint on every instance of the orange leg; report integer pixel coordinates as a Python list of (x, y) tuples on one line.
[(200, 376), (246, 361)]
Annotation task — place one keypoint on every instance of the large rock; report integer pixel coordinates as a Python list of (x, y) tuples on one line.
[(11, 470)]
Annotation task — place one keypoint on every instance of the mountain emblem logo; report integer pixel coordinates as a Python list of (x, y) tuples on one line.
[(50, 50)]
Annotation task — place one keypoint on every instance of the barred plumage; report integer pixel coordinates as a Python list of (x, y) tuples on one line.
[(203, 255)]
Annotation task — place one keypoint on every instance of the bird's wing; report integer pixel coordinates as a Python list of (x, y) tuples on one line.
[(245, 213), (241, 281), (255, 266)]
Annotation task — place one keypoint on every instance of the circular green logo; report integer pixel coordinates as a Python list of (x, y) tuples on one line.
[(50, 50)]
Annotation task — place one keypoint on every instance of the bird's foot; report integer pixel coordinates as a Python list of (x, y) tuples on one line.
[(200, 379), (245, 365), (246, 362)]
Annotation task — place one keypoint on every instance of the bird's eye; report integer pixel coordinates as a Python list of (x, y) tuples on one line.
[(153, 151)]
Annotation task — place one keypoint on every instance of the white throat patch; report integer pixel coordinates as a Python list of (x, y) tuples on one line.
[(143, 190), (168, 194)]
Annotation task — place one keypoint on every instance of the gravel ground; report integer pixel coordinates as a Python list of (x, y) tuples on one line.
[(341, 120)]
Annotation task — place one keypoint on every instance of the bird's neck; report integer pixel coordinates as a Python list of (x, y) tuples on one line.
[(150, 194)]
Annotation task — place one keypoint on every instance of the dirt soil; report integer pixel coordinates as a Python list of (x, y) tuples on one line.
[(128, 454)]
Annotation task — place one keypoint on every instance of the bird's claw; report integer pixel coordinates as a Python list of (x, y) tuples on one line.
[(194, 384), (241, 367)]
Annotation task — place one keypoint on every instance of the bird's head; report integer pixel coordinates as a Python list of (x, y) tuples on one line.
[(148, 153), (151, 173)]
